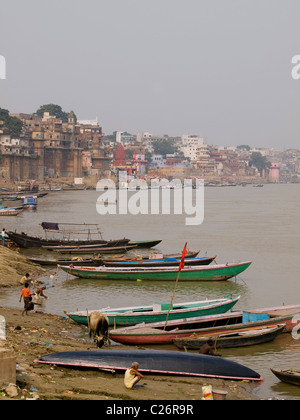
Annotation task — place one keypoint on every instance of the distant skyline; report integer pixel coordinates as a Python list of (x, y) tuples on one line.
[(217, 68)]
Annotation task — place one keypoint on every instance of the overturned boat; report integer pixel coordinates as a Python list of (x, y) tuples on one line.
[(154, 362)]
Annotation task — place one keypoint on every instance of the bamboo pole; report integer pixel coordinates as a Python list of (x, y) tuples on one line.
[(170, 307), (181, 265)]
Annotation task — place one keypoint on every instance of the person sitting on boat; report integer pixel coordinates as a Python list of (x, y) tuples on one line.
[(132, 376), (208, 348)]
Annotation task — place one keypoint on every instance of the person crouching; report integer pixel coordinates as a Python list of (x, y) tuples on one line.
[(132, 376)]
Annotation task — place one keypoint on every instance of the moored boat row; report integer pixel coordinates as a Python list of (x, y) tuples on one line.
[(159, 333), (180, 324)]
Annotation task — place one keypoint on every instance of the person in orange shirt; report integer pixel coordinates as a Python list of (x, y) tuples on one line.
[(26, 294)]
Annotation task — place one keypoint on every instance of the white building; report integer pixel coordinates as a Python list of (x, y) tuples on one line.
[(191, 145), (89, 122)]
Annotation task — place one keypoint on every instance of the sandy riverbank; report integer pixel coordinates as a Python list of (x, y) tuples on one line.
[(13, 266), (39, 334)]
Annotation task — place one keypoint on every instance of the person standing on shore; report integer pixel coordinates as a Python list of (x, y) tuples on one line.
[(38, 294), (132, 376), (3, 236), (26, 295), (26, 279)]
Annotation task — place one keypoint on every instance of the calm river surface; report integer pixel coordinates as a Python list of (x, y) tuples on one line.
[(240, 224)]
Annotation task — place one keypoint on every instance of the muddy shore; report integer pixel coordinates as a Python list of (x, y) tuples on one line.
[(38, 334)]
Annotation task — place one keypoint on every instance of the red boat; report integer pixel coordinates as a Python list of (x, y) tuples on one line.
[(159, 333)]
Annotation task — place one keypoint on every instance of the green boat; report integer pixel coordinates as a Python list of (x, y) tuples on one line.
[(158, 312), (189, 273)]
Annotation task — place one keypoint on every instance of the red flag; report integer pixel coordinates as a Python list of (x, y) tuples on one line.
[(181, 265)]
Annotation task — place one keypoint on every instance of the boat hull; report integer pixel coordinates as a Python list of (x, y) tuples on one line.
[(232, 340), (166, 262), (83, 263), (25, 241), (197, 273), (94, 249), (132, 316), (156, 333), (288, 376), (10, 212), (118, 258), (145, 244), (154, 362)]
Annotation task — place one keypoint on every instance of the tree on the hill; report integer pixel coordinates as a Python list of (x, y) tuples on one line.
[(54, 111), (260, 162), (13, 124)]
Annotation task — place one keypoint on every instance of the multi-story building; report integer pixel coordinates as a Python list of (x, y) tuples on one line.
[(56, 148)]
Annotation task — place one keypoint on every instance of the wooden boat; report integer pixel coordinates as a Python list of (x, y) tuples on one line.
[(289, 376), (233, 339), (10, 212), (119, 258), (166, 262), (145, 244), (66, 237), (29, 201), (154, 362), (193, 273), (72, 247), (86, 262), (159, 311), (158, 333), (102, 250)]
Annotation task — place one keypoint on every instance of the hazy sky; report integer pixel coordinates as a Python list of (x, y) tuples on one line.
[(217, 68)]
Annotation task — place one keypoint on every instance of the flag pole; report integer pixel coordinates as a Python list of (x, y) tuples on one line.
[(181, 265), (172, 300)]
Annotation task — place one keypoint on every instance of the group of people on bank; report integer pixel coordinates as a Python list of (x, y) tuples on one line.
[(26, 294)]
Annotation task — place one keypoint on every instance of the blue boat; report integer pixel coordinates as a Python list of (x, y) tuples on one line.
[(160, 362), (29, 201), (164, 262)]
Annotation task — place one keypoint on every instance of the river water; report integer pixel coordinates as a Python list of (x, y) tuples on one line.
[(240, 224)]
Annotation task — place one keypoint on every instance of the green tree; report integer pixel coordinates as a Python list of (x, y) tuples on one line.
[(164, 147), (148, 156), (244, 146), (129, 154), (13, 124), (54, 111), (259, 161)]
